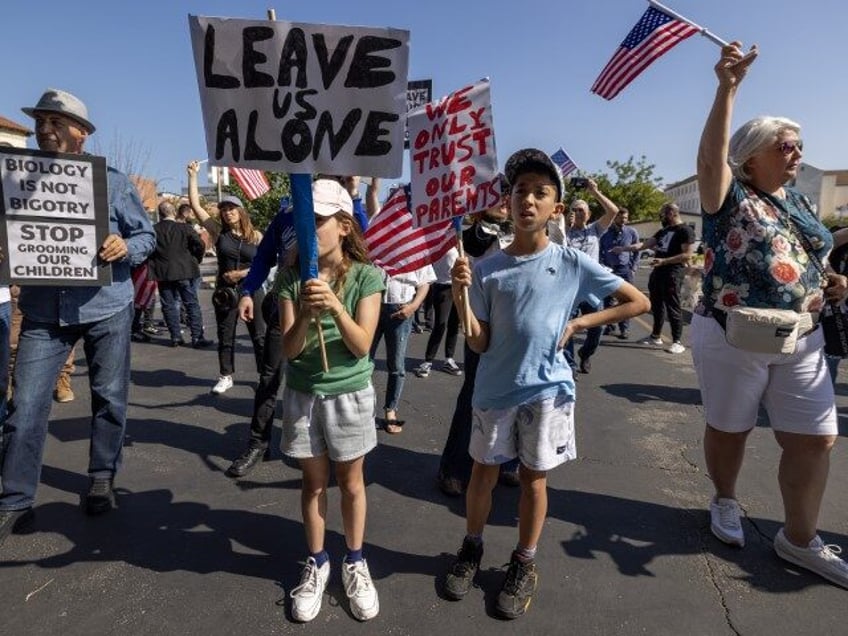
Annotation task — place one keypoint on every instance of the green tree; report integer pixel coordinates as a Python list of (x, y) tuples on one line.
[(263, 209), (631, 184)]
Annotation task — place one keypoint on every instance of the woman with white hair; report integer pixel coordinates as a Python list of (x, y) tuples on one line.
[(765, 249)]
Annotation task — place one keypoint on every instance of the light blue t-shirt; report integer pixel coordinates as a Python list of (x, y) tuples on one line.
[(527, 300), (587, 239)]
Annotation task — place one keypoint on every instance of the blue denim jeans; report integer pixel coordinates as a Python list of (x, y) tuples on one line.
[(171, 294), (5, 352), (42, 350), (396, 332)]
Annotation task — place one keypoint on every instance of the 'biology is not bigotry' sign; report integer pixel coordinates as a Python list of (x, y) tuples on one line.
[(302, 98), (55, 218), (452, 151)]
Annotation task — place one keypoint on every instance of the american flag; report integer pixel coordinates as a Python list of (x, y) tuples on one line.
[(396, 245), (654, 34), (565, 163), (253, 182)]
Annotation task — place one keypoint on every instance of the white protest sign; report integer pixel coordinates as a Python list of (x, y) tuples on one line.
[(55, 213), (302, 98), (453, 160), (418, 93)]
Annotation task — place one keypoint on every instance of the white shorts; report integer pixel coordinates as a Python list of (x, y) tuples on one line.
[(341, 426), (540, 433), (794, 388)]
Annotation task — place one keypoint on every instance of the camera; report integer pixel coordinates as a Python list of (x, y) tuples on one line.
[(579, 183)]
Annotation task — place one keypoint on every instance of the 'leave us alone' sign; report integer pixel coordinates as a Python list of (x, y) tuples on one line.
[(302, 98)]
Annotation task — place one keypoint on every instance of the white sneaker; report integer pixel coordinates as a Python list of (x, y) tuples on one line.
[(359, 588), (676, 347), (423, 369), (654, 342), (816, 557), (306, 597), (450, 366), (725, 521), (224, 383)]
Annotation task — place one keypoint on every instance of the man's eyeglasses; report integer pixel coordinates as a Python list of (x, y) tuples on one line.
[(788, 147)]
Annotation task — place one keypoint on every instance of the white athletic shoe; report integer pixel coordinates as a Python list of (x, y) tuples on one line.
[(725, 521), (224, 383), (676, 347), (306, 597), (423, 369), (359, 587), (654, 342), (816, 557)]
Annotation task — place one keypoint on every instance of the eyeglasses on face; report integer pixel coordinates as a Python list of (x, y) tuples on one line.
[(788, 147)]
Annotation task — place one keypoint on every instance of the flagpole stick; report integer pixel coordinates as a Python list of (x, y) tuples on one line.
[(712, 37), (465, 309), (302, 187)]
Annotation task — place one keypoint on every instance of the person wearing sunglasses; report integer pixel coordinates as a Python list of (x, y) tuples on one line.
[(763, 242)]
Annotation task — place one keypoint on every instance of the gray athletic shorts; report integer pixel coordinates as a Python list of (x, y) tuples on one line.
[(539, 433), (342, 426)]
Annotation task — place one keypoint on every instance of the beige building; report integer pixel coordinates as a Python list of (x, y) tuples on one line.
[(13, 134), (827, 189)]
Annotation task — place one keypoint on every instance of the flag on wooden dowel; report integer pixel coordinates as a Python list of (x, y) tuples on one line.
[(397, 246)]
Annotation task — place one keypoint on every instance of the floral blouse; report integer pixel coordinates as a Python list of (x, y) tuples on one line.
[(754, 259)]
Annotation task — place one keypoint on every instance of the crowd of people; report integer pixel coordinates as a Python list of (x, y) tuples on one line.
[(534, 273)]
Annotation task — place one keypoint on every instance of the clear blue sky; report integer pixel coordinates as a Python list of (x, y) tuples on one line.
[(132, 64)]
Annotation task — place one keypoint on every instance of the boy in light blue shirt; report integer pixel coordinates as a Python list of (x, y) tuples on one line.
[(521, 299)]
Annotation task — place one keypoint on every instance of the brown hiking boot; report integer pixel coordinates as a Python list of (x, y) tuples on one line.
[(63, 392)]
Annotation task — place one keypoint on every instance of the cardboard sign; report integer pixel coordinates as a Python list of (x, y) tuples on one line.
[(302, 98), (418, 93), (454, 165), (55, 215)]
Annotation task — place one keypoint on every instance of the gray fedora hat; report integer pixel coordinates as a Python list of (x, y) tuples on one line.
[(63, 103)]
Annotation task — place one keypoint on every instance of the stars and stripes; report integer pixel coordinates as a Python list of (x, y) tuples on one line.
[(396, 245), (253, 182), (656, 33), (564, 162)]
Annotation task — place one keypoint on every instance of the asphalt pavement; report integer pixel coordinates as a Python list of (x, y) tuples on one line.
[(626, 548)]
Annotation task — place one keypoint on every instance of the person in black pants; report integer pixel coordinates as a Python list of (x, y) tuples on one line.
[(272, 251), (673, 246), (489, 233)]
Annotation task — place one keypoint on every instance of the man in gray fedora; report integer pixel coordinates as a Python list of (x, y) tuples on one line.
[(56, 317)]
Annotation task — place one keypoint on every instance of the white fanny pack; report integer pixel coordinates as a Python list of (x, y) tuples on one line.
[(765, 330)]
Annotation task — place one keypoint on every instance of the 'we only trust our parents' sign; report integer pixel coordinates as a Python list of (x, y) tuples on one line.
[(302, 98)]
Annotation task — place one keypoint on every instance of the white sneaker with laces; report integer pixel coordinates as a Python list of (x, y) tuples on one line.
[(450, 366), (654, 342), (725, 521), (676, 347), (423, 369), (306, 597), (224, 383), (359, 587), (817, 557)]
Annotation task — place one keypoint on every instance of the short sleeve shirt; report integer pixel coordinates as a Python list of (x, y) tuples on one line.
[(754, 259), (347, 372), (527, 301), (587, 240)]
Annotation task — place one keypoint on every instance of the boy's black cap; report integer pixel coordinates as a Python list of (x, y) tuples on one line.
[(533, 160)]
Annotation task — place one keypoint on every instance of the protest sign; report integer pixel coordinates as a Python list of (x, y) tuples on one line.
[(55, 216), (302, 98), (418, 93), (454, 164)]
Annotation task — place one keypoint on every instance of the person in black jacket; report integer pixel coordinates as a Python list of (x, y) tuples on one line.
[(174, 264)]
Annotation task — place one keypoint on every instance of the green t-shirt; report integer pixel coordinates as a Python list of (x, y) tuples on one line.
[(347, 372)]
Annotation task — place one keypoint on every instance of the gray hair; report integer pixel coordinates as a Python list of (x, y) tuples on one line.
[(754, 136)]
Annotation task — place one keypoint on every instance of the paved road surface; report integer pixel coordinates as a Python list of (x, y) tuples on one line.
[(626, 548)]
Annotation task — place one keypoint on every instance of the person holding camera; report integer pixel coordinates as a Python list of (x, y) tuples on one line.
[(236, 241), (586, 237)]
